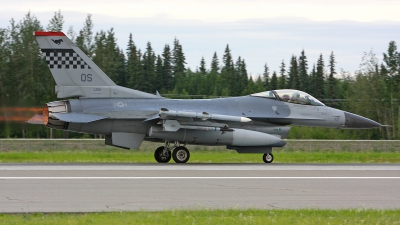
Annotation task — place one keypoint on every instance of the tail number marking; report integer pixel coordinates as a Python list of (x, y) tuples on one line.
[(86, 78)]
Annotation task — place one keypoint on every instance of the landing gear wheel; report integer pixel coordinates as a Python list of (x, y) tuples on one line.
[(181, 154), (161, 156), (268, 157)]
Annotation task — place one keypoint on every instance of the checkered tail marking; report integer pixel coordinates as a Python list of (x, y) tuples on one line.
[(64, 59)]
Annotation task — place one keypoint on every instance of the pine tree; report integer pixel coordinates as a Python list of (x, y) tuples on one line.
[(244, 77), (148, 73), (282, 78), (392, 60), (167, 76), (107, 55), (266, 82), (319, 78), (258, 86), (274, 81), (140, 77), (56, 23), (391, 67), (213, 84), (202, 68), (14, 43), (121, 69), (202, 78), (71, 33), (215, 63), (85, 38), (240, 80), (178, 66), (26, 64), (228, 72), (158, 81), (227, 61), (251, 86), (4, 56), (236, 86), (312, 81), (331, 78), (293, 74), (303, 76), (132, 64), (113, 59)]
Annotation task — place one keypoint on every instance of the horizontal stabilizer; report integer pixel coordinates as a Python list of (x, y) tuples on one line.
[(77, 117)]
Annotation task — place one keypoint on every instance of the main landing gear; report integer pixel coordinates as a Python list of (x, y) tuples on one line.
[(268, 157), (180, 153)]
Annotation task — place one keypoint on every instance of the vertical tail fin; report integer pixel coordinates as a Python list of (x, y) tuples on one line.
[(76, 75)]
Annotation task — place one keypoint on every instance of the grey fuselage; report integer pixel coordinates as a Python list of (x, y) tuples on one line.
[(127, 115)]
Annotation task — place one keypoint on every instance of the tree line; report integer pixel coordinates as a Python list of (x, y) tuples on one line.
[(371, 91)]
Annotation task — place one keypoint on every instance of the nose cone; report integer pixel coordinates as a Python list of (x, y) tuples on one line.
[(359, 122)]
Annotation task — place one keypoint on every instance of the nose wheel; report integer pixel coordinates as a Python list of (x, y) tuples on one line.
[(268, 157)]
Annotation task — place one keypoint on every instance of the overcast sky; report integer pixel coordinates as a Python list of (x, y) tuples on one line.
[(258, 31)]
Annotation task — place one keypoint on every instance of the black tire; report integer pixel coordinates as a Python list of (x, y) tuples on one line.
[(268, 157), (181, 154), (160, 158)]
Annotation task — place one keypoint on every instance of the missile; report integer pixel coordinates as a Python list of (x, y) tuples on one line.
[(204, 116), (173, 125), (224, 129)]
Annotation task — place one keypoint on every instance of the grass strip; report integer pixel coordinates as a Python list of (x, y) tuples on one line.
[(123, 156), (231, 217)]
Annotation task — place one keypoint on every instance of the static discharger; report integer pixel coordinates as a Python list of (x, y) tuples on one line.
[(164, 113)]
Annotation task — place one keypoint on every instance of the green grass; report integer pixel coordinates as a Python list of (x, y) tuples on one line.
[(199, 156), (231, 217)]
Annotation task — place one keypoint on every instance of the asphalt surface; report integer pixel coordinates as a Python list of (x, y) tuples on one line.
[(131, 187)]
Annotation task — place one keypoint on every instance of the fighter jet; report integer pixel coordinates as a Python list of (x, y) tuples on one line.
[(248, 124)]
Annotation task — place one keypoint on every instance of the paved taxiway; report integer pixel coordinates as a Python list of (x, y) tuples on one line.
[(114, 187)]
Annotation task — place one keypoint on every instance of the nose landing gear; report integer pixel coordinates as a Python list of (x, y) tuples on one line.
[(268, 157)]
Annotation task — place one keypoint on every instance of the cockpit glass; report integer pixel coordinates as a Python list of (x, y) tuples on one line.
[(265, 94), (290, 96)]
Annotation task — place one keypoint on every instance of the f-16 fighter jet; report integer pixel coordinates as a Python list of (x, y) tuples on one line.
[(249, 124)]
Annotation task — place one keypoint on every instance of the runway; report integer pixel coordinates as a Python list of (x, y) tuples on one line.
[(131, 187)]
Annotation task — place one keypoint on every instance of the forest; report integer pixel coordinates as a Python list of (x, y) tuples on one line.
[(26, 83)]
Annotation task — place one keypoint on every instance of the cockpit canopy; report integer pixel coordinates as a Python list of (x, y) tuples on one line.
[(291, 96)]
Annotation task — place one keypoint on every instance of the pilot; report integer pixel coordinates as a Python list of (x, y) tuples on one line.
[(295, 98), (285, 98)]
